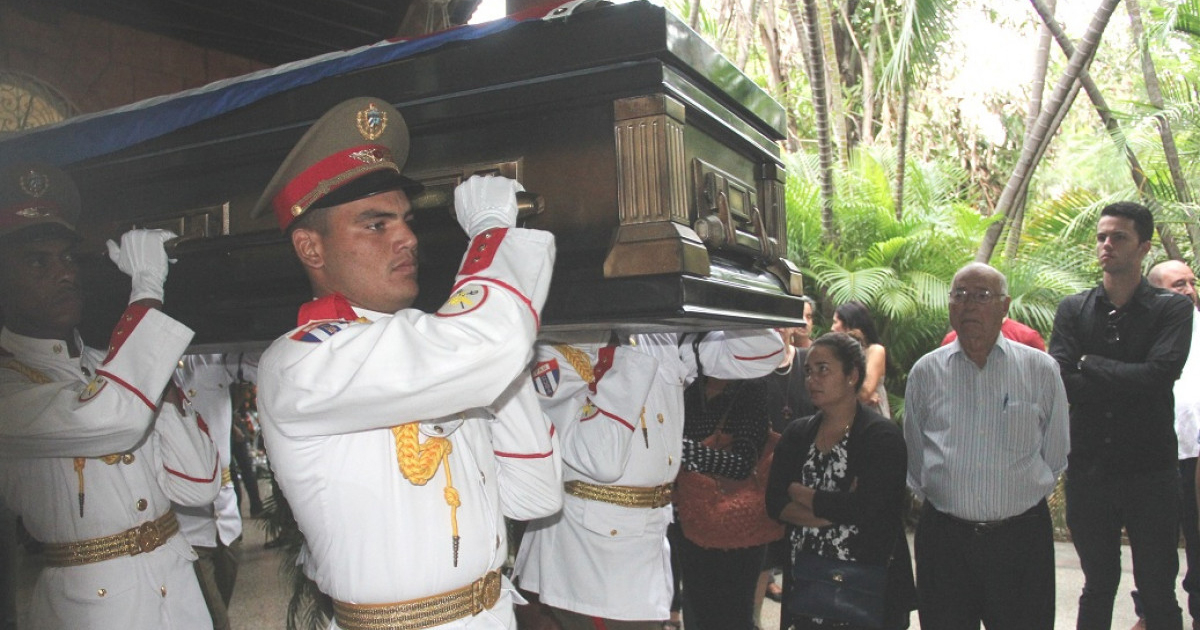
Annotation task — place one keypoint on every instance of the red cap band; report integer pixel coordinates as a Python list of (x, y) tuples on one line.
[(326, 176)]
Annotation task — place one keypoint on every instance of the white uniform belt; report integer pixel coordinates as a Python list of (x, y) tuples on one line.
[(141, 539), (425, 612), (628, 496)]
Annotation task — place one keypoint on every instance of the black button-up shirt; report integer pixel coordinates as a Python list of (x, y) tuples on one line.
[(1122, 404)]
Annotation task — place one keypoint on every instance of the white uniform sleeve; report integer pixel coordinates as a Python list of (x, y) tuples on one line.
[(111, 413), (188, 466), (596, 430), (527, 460), (740, 354), (417, 366)]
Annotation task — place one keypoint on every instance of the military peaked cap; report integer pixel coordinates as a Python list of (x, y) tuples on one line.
[(357, 149), (33, 194)]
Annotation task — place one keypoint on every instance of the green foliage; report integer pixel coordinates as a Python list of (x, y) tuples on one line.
[(902, 268)]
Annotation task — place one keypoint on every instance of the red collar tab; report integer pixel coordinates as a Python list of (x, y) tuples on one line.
[(328, 175), (332, 306)]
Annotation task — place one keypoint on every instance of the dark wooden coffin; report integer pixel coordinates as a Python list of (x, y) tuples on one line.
[(651, 157)]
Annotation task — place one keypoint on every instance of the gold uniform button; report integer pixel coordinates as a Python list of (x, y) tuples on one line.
[(127, 458), (58, 348), (670, 460), (102, 592), (142, 504), (613, 533), (163, 590), (661, 419)]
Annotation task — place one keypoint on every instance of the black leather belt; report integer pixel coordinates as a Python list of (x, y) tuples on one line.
[(980, 528)]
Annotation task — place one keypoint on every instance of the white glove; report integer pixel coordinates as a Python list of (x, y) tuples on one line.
[(483, 203), (142, 257)]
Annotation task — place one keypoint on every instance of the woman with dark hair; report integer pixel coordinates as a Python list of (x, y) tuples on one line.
[(854, 318), (837, 480)]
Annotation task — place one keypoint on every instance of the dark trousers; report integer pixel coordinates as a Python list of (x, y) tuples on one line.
[(1188, 520), (1001, 575), (718, 585), (8, 569), (246, 474), (216, 569), (1147, 506)]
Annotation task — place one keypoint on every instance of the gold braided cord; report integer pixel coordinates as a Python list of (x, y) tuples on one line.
[(38, 377), (419, 463), (35, 376), (418, 460), (580, 361)]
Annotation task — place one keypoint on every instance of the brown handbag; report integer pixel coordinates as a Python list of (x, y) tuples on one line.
[(722, 513)]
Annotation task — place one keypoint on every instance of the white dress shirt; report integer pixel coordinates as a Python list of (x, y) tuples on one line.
[(985, 444), (1187, 398)]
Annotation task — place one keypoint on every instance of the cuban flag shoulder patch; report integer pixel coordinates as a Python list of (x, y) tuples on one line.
[(545, 376), (316, 332)]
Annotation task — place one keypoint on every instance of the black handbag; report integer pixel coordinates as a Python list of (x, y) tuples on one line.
[(837, 590)]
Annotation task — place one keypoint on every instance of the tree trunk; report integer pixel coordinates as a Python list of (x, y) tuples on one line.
[(694, 15), (1182, 194), (1042, 131), (901, 153), (1036, 89), (816, 80), (868, 76), (1111, 125), (833, 81)]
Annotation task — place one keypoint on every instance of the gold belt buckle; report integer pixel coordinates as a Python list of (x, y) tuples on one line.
[(487, 591), (662, 495), (147, 537)]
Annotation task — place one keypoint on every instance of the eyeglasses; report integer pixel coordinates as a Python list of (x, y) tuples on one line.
[(1112, 334), (962, 296)]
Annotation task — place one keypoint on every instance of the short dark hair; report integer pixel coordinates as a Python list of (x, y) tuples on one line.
[(848, 350), (1143, 220), (854, 314), (316, 219)]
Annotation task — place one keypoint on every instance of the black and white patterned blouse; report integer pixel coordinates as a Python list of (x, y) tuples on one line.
[(743, 406), (826, 471)]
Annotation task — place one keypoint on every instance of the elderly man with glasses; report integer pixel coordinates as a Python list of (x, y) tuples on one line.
[(986, 427), (1120, 347)]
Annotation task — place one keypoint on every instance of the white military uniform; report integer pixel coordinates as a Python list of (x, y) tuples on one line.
[(93, 406), (605, 560), (205, 381), (331, 391)]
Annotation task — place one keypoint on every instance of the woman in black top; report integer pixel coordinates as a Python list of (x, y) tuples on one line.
[(838, 481), (719, 584)]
